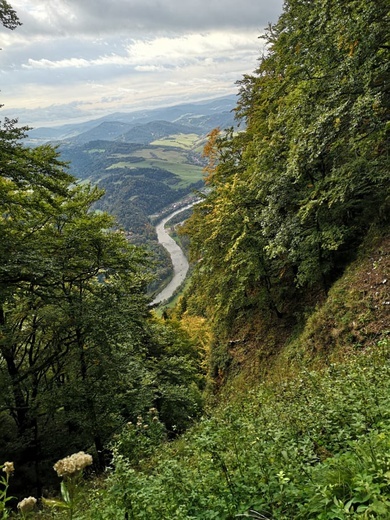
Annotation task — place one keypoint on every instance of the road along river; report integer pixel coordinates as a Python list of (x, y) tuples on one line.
[(179, 260)]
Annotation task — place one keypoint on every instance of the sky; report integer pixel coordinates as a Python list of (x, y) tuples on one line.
[(74, 60)]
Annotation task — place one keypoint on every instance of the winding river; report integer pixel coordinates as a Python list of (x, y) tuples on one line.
[(179, 260)]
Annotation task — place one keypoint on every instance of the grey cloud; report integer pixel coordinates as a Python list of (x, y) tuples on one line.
[(134, 16), (126, 54), (66, 111), (19, 54)]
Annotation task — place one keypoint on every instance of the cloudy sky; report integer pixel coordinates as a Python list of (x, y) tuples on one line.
[(73, 60)]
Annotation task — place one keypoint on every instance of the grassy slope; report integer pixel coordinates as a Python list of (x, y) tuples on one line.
[(356, 314), (353, 317), (185, 141), (170, 153)]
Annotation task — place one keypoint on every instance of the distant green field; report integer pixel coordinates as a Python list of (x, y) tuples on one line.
[(122, 164), (185, 141), (171, 159), (162, 154)]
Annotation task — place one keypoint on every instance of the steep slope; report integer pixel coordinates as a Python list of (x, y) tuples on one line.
[(292, 197), (107, 131), (356, 313), (307, 437), (352, 318)]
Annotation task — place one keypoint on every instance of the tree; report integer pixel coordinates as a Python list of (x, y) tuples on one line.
[(329, 170), (8, 16), (80, 354), (292, 196), (65, 273)]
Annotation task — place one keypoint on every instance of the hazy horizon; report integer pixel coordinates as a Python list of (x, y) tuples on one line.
[(72, 61)]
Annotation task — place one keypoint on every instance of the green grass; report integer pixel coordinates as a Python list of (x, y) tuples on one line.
[(163, 154), (121, 164), (185, 141), (172, 160), (316, 446)]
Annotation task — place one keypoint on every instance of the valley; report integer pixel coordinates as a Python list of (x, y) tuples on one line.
[(261, 389), (145, 162)]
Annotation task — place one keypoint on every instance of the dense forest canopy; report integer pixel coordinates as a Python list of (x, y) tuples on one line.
[(294, 194)]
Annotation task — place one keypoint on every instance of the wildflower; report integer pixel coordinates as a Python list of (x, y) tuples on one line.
[(65, 467), (8, 468), (72, 464), (27, 504)]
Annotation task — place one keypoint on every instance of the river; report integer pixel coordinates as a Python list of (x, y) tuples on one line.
[(179, 260)]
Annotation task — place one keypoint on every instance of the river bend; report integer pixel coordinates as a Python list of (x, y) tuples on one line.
[(179, 260)]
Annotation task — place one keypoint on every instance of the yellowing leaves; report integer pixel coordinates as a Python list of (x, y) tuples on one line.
[(352, 48), (211, 152)]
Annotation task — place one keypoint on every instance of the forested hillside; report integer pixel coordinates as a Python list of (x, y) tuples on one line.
[(265, 393), (294, 195)]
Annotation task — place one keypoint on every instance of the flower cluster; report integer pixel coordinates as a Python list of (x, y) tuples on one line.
[(8, 468), (73, 464), (27, 504), (154, 412), (152, 415)]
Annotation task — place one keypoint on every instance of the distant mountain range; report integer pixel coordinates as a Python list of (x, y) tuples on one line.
[(143, 126), (140, 134)]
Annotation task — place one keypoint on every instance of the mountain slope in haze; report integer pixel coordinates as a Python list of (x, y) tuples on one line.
[(149, 132), (205, 115), (108, 131), (140, 134)]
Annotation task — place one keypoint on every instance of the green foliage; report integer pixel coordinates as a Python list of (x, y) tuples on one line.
[(175, 362), (71, 291), (140, 440), (316, 446), (79, 353), (7, 468), (355, 484), (8, 17), (292, 196)]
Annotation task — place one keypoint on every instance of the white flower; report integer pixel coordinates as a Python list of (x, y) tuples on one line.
[(72, 464), (27, 504), (8, 468)]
